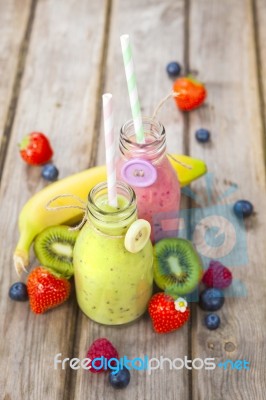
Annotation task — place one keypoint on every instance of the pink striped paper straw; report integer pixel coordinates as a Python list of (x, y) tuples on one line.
[(108, 118)]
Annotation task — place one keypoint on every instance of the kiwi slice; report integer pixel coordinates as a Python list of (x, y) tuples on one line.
[(177, 266), (54, 249)]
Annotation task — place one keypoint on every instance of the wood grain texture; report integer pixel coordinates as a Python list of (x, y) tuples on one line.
[(259, 11), (157, 35), (58, 93), (222, 49), (15, 21), (64, 76)]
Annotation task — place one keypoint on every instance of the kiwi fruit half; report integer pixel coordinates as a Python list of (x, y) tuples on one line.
[(177, 266), (54, 249)]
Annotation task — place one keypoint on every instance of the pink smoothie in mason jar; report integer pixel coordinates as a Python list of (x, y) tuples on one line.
[(147, 169)]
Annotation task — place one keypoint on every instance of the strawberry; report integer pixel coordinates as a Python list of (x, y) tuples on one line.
[(46, 290), (35, 149), (166, 313), (217, 276), (188, 93), (101, 348)]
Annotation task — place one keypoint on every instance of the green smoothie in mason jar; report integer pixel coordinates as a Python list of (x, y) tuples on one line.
[(113, 259)]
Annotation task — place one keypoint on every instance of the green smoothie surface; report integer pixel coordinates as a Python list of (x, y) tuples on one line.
[(102, 203), (111, 221)]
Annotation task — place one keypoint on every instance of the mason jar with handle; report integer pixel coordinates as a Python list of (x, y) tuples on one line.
[(147, 169), (113, 259)]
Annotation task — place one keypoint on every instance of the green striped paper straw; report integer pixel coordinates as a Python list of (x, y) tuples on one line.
[(132, 88)]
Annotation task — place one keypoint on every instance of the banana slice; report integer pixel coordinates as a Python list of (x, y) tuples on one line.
[(137, 236)]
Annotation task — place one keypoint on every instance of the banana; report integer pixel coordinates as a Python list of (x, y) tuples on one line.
[(34, 217), (188, 169)]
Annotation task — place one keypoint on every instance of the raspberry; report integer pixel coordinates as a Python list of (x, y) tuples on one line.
[(217, 276), (101, 348)]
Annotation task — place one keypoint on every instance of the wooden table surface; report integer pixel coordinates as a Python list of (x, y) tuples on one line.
[(56, 60)]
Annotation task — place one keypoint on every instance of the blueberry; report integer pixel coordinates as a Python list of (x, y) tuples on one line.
[(121, 379), (212, 321), (18, 292), (243, 208), (202, 135), (50, 172), (211, 299), (173, 68)]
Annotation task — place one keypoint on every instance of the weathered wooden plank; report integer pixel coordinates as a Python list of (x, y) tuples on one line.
[(157, 35), (58, 93), (157, 38), (222, 49), (15, 24), (259, 11)]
